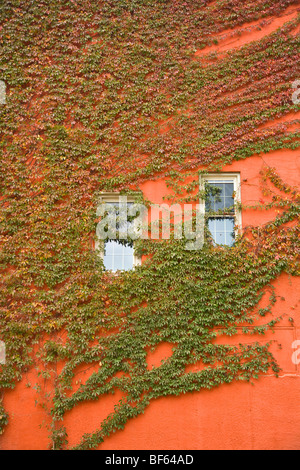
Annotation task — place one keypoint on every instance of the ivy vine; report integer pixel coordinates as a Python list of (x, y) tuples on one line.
[(102, 96)]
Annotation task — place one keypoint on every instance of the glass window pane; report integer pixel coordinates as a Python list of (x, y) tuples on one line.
[(128, 263), (229, 200), (229, 224), (108, 262), (220, 224), (127, 250), (229, 188), (229, 203), (113, 208), (118, 256), (220, 238), (220, 195), (118, 248), (118, 263), (209, 202), (212, 227), (222, 230), (230, 235), (109, 247), (219, 200)]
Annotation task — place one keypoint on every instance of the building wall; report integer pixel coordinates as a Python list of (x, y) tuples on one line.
[(265, 415)]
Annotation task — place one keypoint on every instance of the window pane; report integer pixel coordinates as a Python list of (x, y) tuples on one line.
[(118, 249), (127, 250), (229, 203), (108, 262), (229, 189), (118, 263), (117, 256), (219, 224), (220, 195), (222, 230), (230, 236), (109, 248), (128, 263)]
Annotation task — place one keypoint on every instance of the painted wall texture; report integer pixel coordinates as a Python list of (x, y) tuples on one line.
[(262, 415)]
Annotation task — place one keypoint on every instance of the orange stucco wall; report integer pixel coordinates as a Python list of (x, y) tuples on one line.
[(265, 415)]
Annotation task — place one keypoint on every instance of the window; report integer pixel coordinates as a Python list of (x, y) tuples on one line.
[(222, 193), (118, 254)]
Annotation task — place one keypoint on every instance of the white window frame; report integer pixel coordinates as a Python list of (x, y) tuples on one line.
[(236, 178), (99, 245)]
